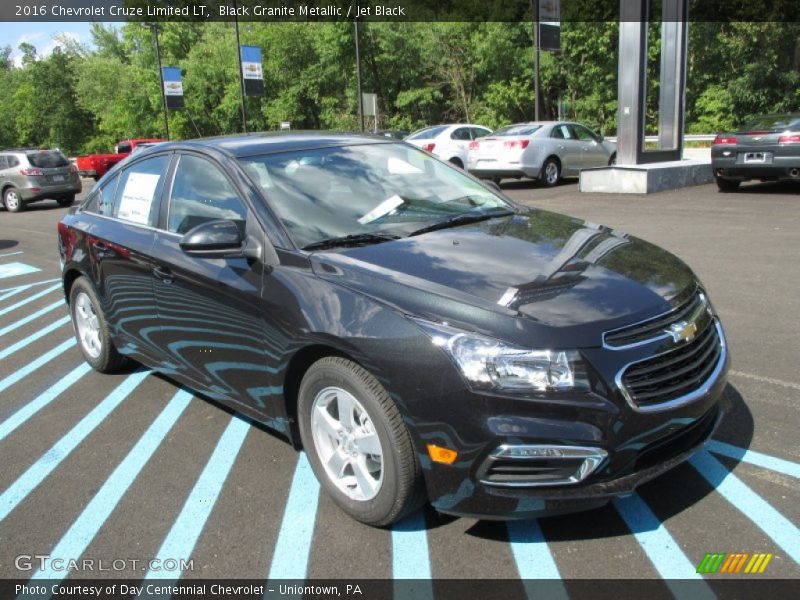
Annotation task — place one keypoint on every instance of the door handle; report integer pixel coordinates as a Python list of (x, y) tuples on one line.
[(163, 274)]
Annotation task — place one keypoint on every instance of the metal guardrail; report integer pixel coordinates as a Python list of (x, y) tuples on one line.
[(693, 137)]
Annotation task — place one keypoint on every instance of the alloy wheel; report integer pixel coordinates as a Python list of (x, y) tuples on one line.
[(12, 200), (87, 325), (551, 173), (347, 443)]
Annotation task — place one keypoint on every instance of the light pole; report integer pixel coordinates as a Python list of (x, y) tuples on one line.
[(241, 74), (358, 78), (154, 27)]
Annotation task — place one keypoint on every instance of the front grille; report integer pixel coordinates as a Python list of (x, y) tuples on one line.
[(653, 328), (674, 373)]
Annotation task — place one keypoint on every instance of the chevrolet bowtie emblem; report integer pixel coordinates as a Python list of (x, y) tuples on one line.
[(682, 331)]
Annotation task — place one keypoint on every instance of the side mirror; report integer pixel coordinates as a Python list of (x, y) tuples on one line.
[(213, 239)]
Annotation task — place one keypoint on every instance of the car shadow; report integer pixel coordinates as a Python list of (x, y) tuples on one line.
[(6, 244), (769, 187), (670, 494), (532, 184)]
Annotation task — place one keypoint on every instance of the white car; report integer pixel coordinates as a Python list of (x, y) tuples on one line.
[(448, 142), (547, 151)]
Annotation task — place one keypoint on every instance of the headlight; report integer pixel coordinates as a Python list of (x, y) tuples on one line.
[(487, 363)]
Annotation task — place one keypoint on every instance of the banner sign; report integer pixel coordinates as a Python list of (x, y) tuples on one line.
[(173, 87), (549, 24), (252, 72)]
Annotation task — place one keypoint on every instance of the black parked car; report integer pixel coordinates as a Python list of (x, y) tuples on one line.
[(415, 331), (767, 148)]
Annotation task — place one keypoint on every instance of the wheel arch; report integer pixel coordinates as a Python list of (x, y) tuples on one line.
[(70, 275), (297, 367)]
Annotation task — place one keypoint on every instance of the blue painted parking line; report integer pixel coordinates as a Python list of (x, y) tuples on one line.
[(291, 552), (531, 553), (42, 400), (27, 301), (32, 317), (94, 515), (657, 543), (44, 359), (780, 529), (182, 537), (779, 465), (21, 288), (534, 560), (16, 268), (33, 337), (31, 478), (411, 558)]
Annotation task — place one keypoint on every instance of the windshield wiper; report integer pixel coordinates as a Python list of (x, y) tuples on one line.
[(462, 219), (356, 239)]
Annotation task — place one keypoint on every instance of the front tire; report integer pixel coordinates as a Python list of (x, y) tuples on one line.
[(12, 200), (727, 185), (91, 329), (551, 172), (357, 443)]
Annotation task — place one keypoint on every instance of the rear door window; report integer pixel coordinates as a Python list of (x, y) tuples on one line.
[(461, 134), (139, 190), (3, 163), (200, 193)]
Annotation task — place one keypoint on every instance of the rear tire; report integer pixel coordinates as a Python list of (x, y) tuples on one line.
[(551, 172), (457, 162), (12, 200), (91, 329), (357, 443), (727, 185), (66, 200)]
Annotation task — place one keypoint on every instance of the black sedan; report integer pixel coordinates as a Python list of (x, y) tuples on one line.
[(767, 148), (418, 334)]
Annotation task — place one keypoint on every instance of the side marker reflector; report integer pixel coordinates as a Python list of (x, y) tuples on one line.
[(441, 455)]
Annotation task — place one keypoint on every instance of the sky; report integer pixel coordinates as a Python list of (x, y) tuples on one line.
[(41, 35)]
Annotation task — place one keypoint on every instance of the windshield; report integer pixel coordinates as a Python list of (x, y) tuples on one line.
[(391, 188), (427, 134), (516, 130), (48, 159)]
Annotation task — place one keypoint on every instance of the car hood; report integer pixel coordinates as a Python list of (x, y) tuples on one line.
[(548, 275)]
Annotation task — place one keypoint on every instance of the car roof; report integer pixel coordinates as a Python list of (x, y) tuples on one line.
[(253, 144)]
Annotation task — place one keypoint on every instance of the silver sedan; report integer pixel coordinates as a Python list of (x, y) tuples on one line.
[(547, 150)]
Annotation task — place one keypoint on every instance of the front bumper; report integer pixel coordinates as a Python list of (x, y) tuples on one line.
[(639, 446)]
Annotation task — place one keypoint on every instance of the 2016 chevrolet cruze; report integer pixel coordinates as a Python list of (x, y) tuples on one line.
[(417, 333)]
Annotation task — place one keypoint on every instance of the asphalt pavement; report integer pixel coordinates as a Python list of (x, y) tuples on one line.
[(131, 467)]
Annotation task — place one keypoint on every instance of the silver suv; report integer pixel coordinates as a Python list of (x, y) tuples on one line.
[(28, 175)]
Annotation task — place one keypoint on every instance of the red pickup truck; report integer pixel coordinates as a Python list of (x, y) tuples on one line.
[(96, 165)]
